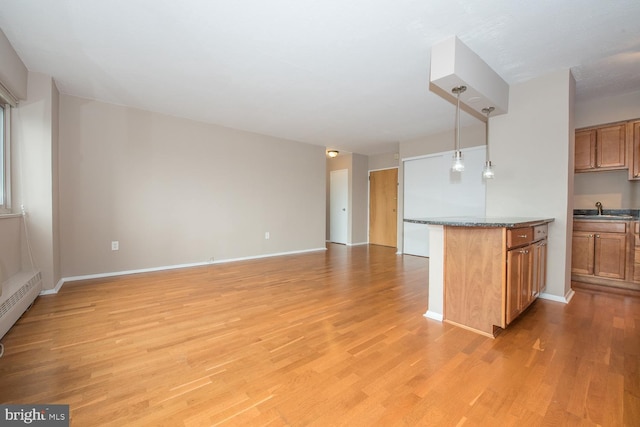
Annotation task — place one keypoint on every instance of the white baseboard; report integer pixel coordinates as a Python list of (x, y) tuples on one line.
[(168, 267), (433, 315), (565, 299)]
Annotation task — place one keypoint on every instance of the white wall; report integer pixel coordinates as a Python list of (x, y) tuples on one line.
[(532, 148), (174, 191)]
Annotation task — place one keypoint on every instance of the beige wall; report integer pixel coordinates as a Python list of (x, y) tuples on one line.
[(10, 249), (470, 136), (384, 161), (174, 191), (359, 179), (613, 188), (13, 73), (34, 136), (607, 109), (532, 149)]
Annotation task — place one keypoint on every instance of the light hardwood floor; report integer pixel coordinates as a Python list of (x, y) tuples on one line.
[(318, 339)]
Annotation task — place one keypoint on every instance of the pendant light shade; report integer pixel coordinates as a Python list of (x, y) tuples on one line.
[(458, 162), (488, 172)]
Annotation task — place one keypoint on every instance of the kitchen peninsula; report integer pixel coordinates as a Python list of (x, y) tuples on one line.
[(484, 272)]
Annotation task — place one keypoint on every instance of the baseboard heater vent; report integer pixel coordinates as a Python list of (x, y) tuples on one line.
[(17, 295)]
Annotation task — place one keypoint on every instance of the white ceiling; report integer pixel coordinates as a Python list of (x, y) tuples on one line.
[(347, 74)]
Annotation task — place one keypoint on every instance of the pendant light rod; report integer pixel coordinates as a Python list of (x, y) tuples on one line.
[(488, 172), (458, 90), (487, 111)]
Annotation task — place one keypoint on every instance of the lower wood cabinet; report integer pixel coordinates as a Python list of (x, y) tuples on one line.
[(491, 275), (606, 253), (526, 272), (599, 249), (518, 281)]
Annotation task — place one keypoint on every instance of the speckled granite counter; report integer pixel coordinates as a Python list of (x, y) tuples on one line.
[(461, 221)]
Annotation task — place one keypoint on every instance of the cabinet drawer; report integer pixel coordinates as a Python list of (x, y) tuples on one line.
[(605, 227), (519, 236), (540, 232)]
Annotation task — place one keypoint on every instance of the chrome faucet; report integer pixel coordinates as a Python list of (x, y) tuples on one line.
[(599, 206)]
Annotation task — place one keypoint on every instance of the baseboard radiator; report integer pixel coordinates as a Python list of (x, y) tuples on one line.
[(18, 293)]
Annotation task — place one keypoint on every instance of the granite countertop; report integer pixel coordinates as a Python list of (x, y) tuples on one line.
[(480, 221), (607, 214)]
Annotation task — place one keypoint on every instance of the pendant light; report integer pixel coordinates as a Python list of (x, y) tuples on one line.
[(458, 163), (488, 172)]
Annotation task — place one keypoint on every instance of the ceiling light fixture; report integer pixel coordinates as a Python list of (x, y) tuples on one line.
[(488, 172), (458, 163), (332, 153)]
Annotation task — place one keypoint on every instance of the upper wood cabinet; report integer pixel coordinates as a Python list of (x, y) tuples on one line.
[(633, 132), (601, 148)]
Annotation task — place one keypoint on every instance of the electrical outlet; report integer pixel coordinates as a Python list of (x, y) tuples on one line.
[(115, 245), (266, 235)]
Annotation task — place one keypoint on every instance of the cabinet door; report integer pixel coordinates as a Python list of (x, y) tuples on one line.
[(611, 148), (610, 254), (526, 281), (518, 281), (582, 252), (634, 170), (585, 153), (539, 269)]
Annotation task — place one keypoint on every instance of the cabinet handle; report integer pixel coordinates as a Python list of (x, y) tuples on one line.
[(524, 251), (590, 235), (597, 236), (522, 235)]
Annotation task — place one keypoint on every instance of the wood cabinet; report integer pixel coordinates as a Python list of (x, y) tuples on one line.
[(633, 132), (601, 148), (636, 251), (491, 275), (599, 248), (606, 256), (526, 268), (518, 281)]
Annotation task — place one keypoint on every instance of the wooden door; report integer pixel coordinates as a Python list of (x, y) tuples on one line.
[(610, 254), (383, 203)]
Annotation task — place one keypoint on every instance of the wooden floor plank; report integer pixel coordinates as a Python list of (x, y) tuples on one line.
[(324, 338)]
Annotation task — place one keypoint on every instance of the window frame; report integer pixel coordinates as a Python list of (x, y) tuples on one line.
[(5, 159)]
